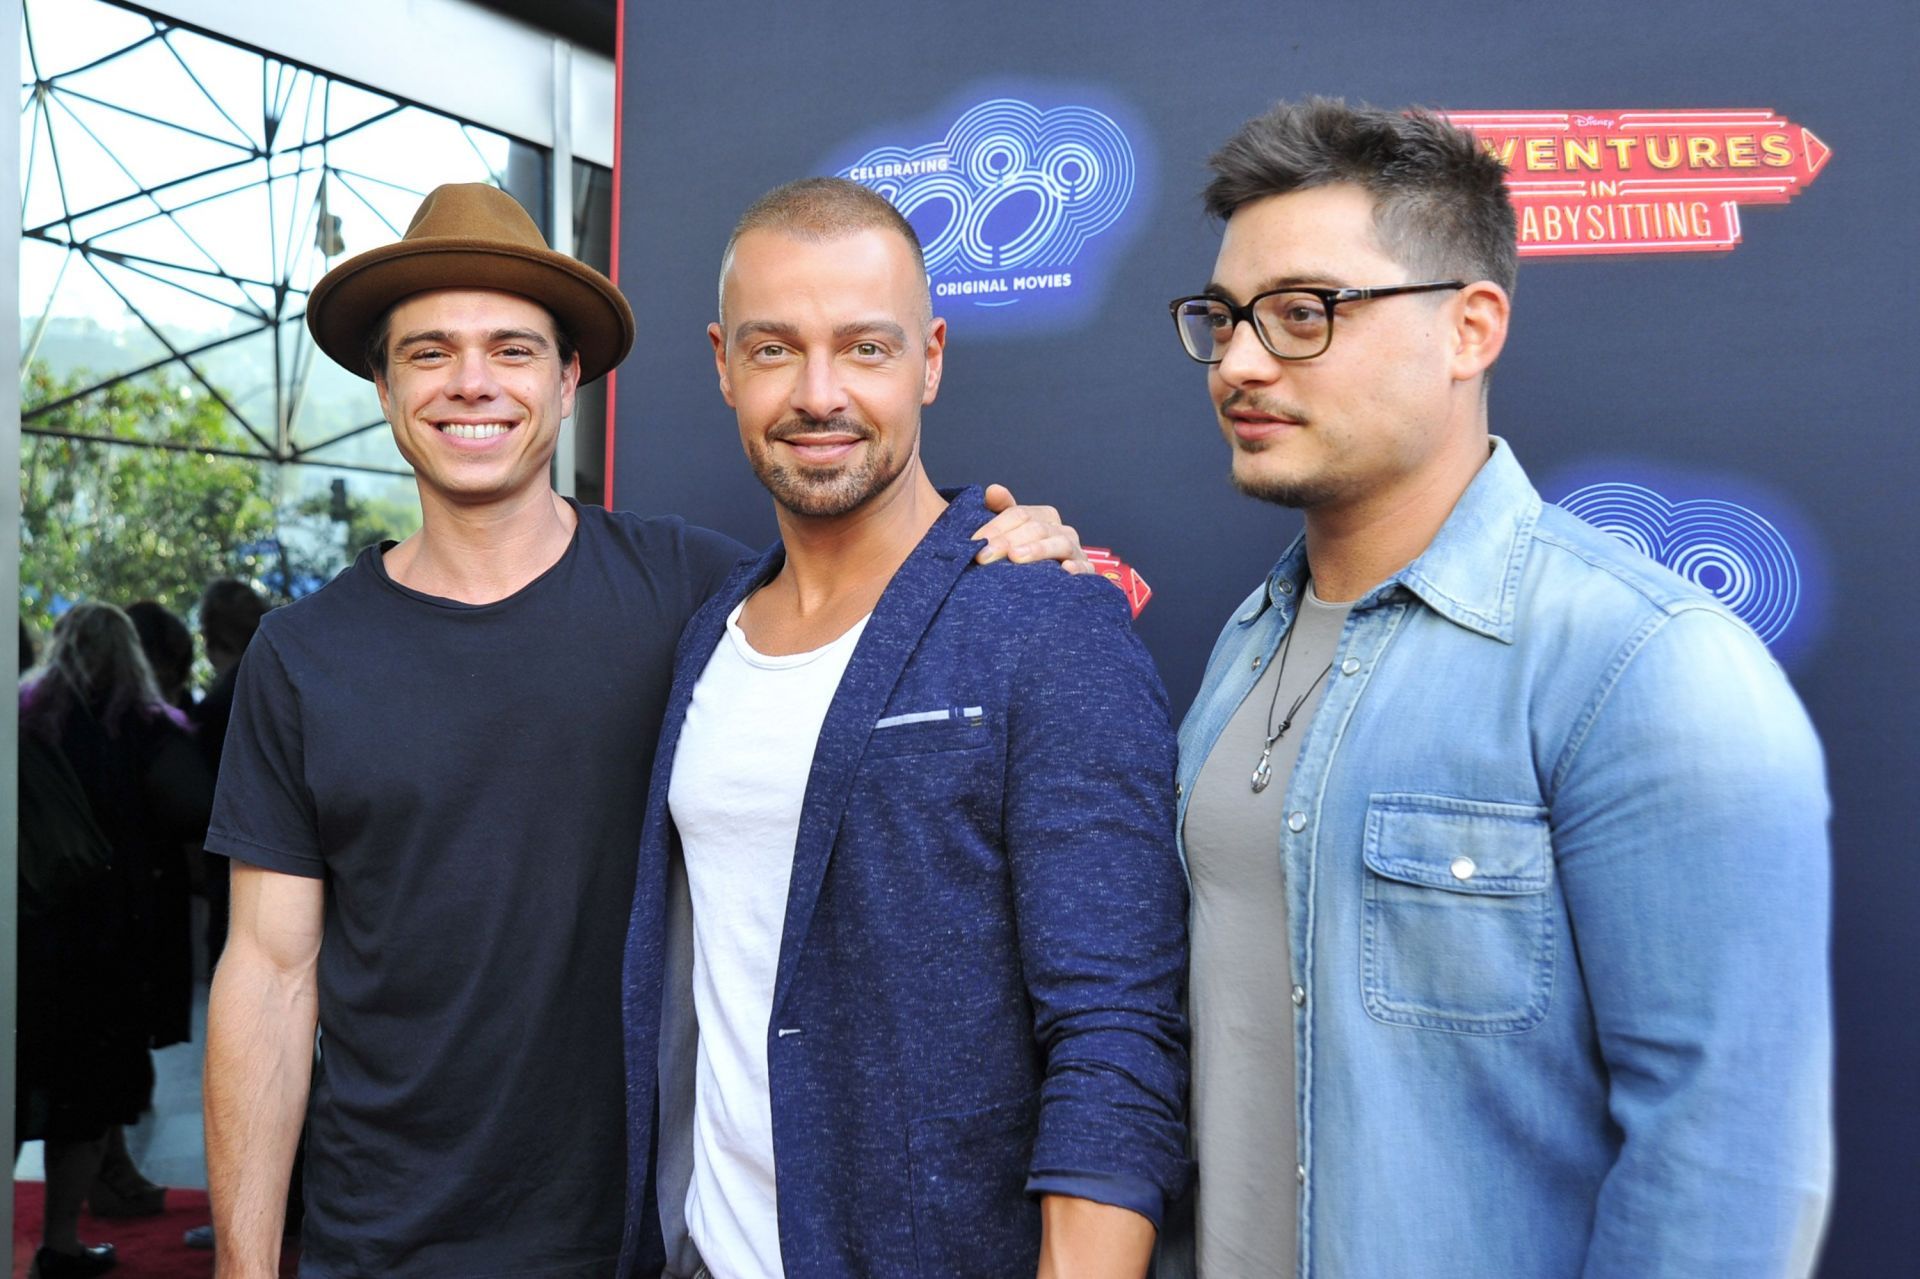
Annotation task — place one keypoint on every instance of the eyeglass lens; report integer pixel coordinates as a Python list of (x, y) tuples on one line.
[(1293, 325)]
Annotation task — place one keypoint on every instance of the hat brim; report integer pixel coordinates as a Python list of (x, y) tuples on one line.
[(350, 299)]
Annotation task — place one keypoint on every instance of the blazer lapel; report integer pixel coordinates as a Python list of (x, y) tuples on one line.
[(902, 616)]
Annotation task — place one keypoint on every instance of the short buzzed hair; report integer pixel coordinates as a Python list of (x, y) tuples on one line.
[(1440, 203), (822, 209)]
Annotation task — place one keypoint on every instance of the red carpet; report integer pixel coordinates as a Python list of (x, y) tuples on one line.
[(149, 1247)]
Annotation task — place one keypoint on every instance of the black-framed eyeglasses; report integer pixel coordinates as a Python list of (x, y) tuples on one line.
[(1293, 323)]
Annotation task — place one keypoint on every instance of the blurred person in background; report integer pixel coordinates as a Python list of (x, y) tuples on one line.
[(147, 791), (168, 645), (230, 612)]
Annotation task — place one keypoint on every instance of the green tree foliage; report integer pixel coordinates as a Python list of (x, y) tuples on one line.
[(121, 523)]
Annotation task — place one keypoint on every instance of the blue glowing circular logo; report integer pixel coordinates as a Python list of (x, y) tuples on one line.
[(1731, 552), (1008, 200)]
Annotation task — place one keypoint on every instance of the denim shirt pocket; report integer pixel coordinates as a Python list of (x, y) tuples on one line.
[(1458, 930)]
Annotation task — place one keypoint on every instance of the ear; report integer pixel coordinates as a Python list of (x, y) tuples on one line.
[(936, 354), (719, 340), (1480, 329), (386, 397), (569, 384)]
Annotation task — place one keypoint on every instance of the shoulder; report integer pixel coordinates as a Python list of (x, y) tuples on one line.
[(1041, 593), (344, 602), (1054, 627), (1673, 670), (663, 542), (1593, 582)]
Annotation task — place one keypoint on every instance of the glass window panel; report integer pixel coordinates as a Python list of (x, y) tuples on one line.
[(184, 321), (41, 204), (151, 80), (90, 329), (204, 186), (244, 370), (349, 106), (329, 401), (64, 35), (152, 153), (241, 224), (87, 174), (229, 74), (418, 147), (161, 238), (371, 211)]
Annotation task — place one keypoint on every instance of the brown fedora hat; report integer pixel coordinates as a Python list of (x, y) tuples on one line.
[(468, 235)]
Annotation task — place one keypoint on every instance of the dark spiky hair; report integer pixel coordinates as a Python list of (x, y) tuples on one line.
[(1440, 204)]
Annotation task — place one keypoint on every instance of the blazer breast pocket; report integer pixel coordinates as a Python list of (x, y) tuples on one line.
[(1458, 929), (955, 728)]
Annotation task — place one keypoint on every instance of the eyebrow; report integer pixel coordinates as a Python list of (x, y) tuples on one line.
[(1272, 282), (531, 337), (841, 332)]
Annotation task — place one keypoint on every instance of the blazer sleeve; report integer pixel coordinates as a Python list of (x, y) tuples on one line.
[(1101, 902)]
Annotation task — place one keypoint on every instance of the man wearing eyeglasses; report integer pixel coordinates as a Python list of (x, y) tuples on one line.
[(1507, 846)]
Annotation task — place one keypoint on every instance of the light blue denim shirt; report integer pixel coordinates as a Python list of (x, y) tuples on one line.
[(1557, 875)]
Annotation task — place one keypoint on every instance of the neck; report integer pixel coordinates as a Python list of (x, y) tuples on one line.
[(1354, 545), (838, 566), (483, 552)]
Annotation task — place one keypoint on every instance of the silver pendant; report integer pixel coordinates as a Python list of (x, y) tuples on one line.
[(1263, 774)]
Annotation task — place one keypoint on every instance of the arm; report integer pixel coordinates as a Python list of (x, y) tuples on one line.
[(260, 1026), (1101, 905), (1689, 819), (1080, 1237)]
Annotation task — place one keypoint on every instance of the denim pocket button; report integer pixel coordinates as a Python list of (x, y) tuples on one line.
[(1462, 868)]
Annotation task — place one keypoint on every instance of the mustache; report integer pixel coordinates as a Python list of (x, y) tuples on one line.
[(1243, 399), (839, 425)]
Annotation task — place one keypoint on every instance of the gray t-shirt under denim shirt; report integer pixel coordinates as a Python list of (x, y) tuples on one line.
[(1240, 994)]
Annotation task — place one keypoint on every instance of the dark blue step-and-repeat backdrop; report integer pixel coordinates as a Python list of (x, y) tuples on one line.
[(1711, 353)]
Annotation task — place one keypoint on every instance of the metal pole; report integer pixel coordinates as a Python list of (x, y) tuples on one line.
[(9, 605), (560, 209)]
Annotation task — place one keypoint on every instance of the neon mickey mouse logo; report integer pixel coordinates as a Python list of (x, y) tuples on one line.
[(1006, 201), (1726, 549)]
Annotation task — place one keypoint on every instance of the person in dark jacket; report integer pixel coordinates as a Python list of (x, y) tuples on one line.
[(923, 1015), (230, 612)]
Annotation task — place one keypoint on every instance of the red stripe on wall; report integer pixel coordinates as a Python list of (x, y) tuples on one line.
[(613, 253)]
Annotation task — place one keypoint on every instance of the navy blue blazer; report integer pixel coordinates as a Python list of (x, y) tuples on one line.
[(978, 997)]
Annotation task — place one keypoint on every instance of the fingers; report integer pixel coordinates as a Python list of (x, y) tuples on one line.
[(1027, 534), (1034, 541)]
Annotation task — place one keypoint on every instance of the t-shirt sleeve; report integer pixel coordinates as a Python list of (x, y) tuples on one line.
[(263, 812)]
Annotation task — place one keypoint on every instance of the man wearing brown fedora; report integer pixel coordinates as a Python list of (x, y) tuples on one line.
[(432, 792)]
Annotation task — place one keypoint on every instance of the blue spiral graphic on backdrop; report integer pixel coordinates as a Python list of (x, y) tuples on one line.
[(1010, 187), (1726, 549)]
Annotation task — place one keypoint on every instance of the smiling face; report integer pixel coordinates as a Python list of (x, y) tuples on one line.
[(475, 391), (1375, 408), (827, 359)]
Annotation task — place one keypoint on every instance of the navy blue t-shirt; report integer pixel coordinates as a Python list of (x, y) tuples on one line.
[(469, 780)]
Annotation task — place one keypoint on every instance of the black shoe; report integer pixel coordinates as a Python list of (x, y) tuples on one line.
[(130, 1197), (96, 1260)]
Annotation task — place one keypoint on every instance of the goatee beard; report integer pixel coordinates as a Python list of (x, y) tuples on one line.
[(828, 491)]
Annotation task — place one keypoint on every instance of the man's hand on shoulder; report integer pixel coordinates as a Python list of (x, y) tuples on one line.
[(1026, 534)]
